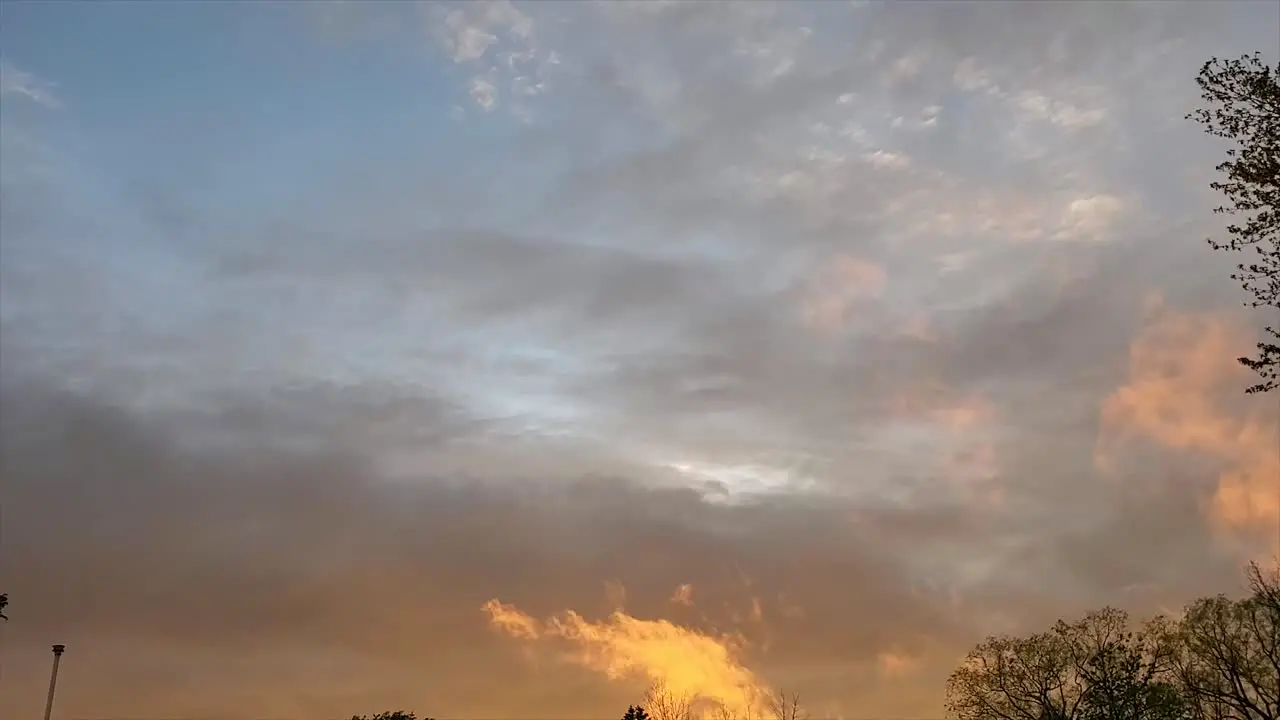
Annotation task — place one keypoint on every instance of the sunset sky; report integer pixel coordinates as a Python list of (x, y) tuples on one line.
[(494, 360)]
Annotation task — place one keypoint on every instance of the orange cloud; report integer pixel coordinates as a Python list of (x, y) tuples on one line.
[(935, 403), (511, 621), (1247, 495), (963, 427), (1185, 391), (919, 327), (686, 662), (966, 415), (895, 664), (840, 287)]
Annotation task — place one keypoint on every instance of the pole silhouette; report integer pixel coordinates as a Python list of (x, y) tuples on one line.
[(53, 679)]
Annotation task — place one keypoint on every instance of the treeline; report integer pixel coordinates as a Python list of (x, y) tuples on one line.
[(1219, 660), (661, 704)]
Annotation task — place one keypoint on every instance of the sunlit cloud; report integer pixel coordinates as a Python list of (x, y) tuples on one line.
[(511, 621), (838, 292), (1183, 392), (686, 662), (894, 664), (956, 435)]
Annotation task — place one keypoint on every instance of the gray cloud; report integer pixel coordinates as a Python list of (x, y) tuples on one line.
[(118, 533), (924, 269), (123, 537)]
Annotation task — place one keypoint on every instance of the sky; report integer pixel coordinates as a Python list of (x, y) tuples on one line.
[(495, 360)]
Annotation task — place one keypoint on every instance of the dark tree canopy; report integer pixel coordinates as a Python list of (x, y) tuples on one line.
[(1228, 658), (1242, 99), (389, 715), (4, 603), (1094, 669), (635, 712), (1220, 660)]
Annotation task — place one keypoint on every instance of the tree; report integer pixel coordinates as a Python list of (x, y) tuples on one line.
[(1008, 678), (761, 705), (389, 715), (661, 703), (1228, 653), (1094, 669), (783, 705), (1125, 681), (1243, 98), (4, 603)]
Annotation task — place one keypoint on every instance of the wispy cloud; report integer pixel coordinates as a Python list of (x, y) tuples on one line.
[(26, 86), (497, 42)]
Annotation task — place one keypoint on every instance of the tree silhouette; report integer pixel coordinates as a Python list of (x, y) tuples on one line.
[(662, 703), (4, 603), (1243, 98), (389, 715), (1094, 669), (1228, 658), (1220, 660), (635, 712), (786, 706), (1122, 684)]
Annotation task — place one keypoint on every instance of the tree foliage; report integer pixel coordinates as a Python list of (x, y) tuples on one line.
[(1228, 658), (1219, 661), (1094, 669), (4, 603), (1242, 96), (1124, 681)]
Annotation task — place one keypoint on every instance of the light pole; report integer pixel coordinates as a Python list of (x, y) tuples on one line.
[(53, 680)]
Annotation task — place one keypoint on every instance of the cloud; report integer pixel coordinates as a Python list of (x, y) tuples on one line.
[(685, 662), (1182, 394), (26, 86), (484, 93), (1089, 217), (497, 41), (228, 560), (847, 282), (895, 665), (849, 301), (511, 621)]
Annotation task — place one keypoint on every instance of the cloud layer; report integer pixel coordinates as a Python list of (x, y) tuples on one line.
[(568, 347)]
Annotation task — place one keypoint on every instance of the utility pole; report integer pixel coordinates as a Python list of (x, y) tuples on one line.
[(53, 679)]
